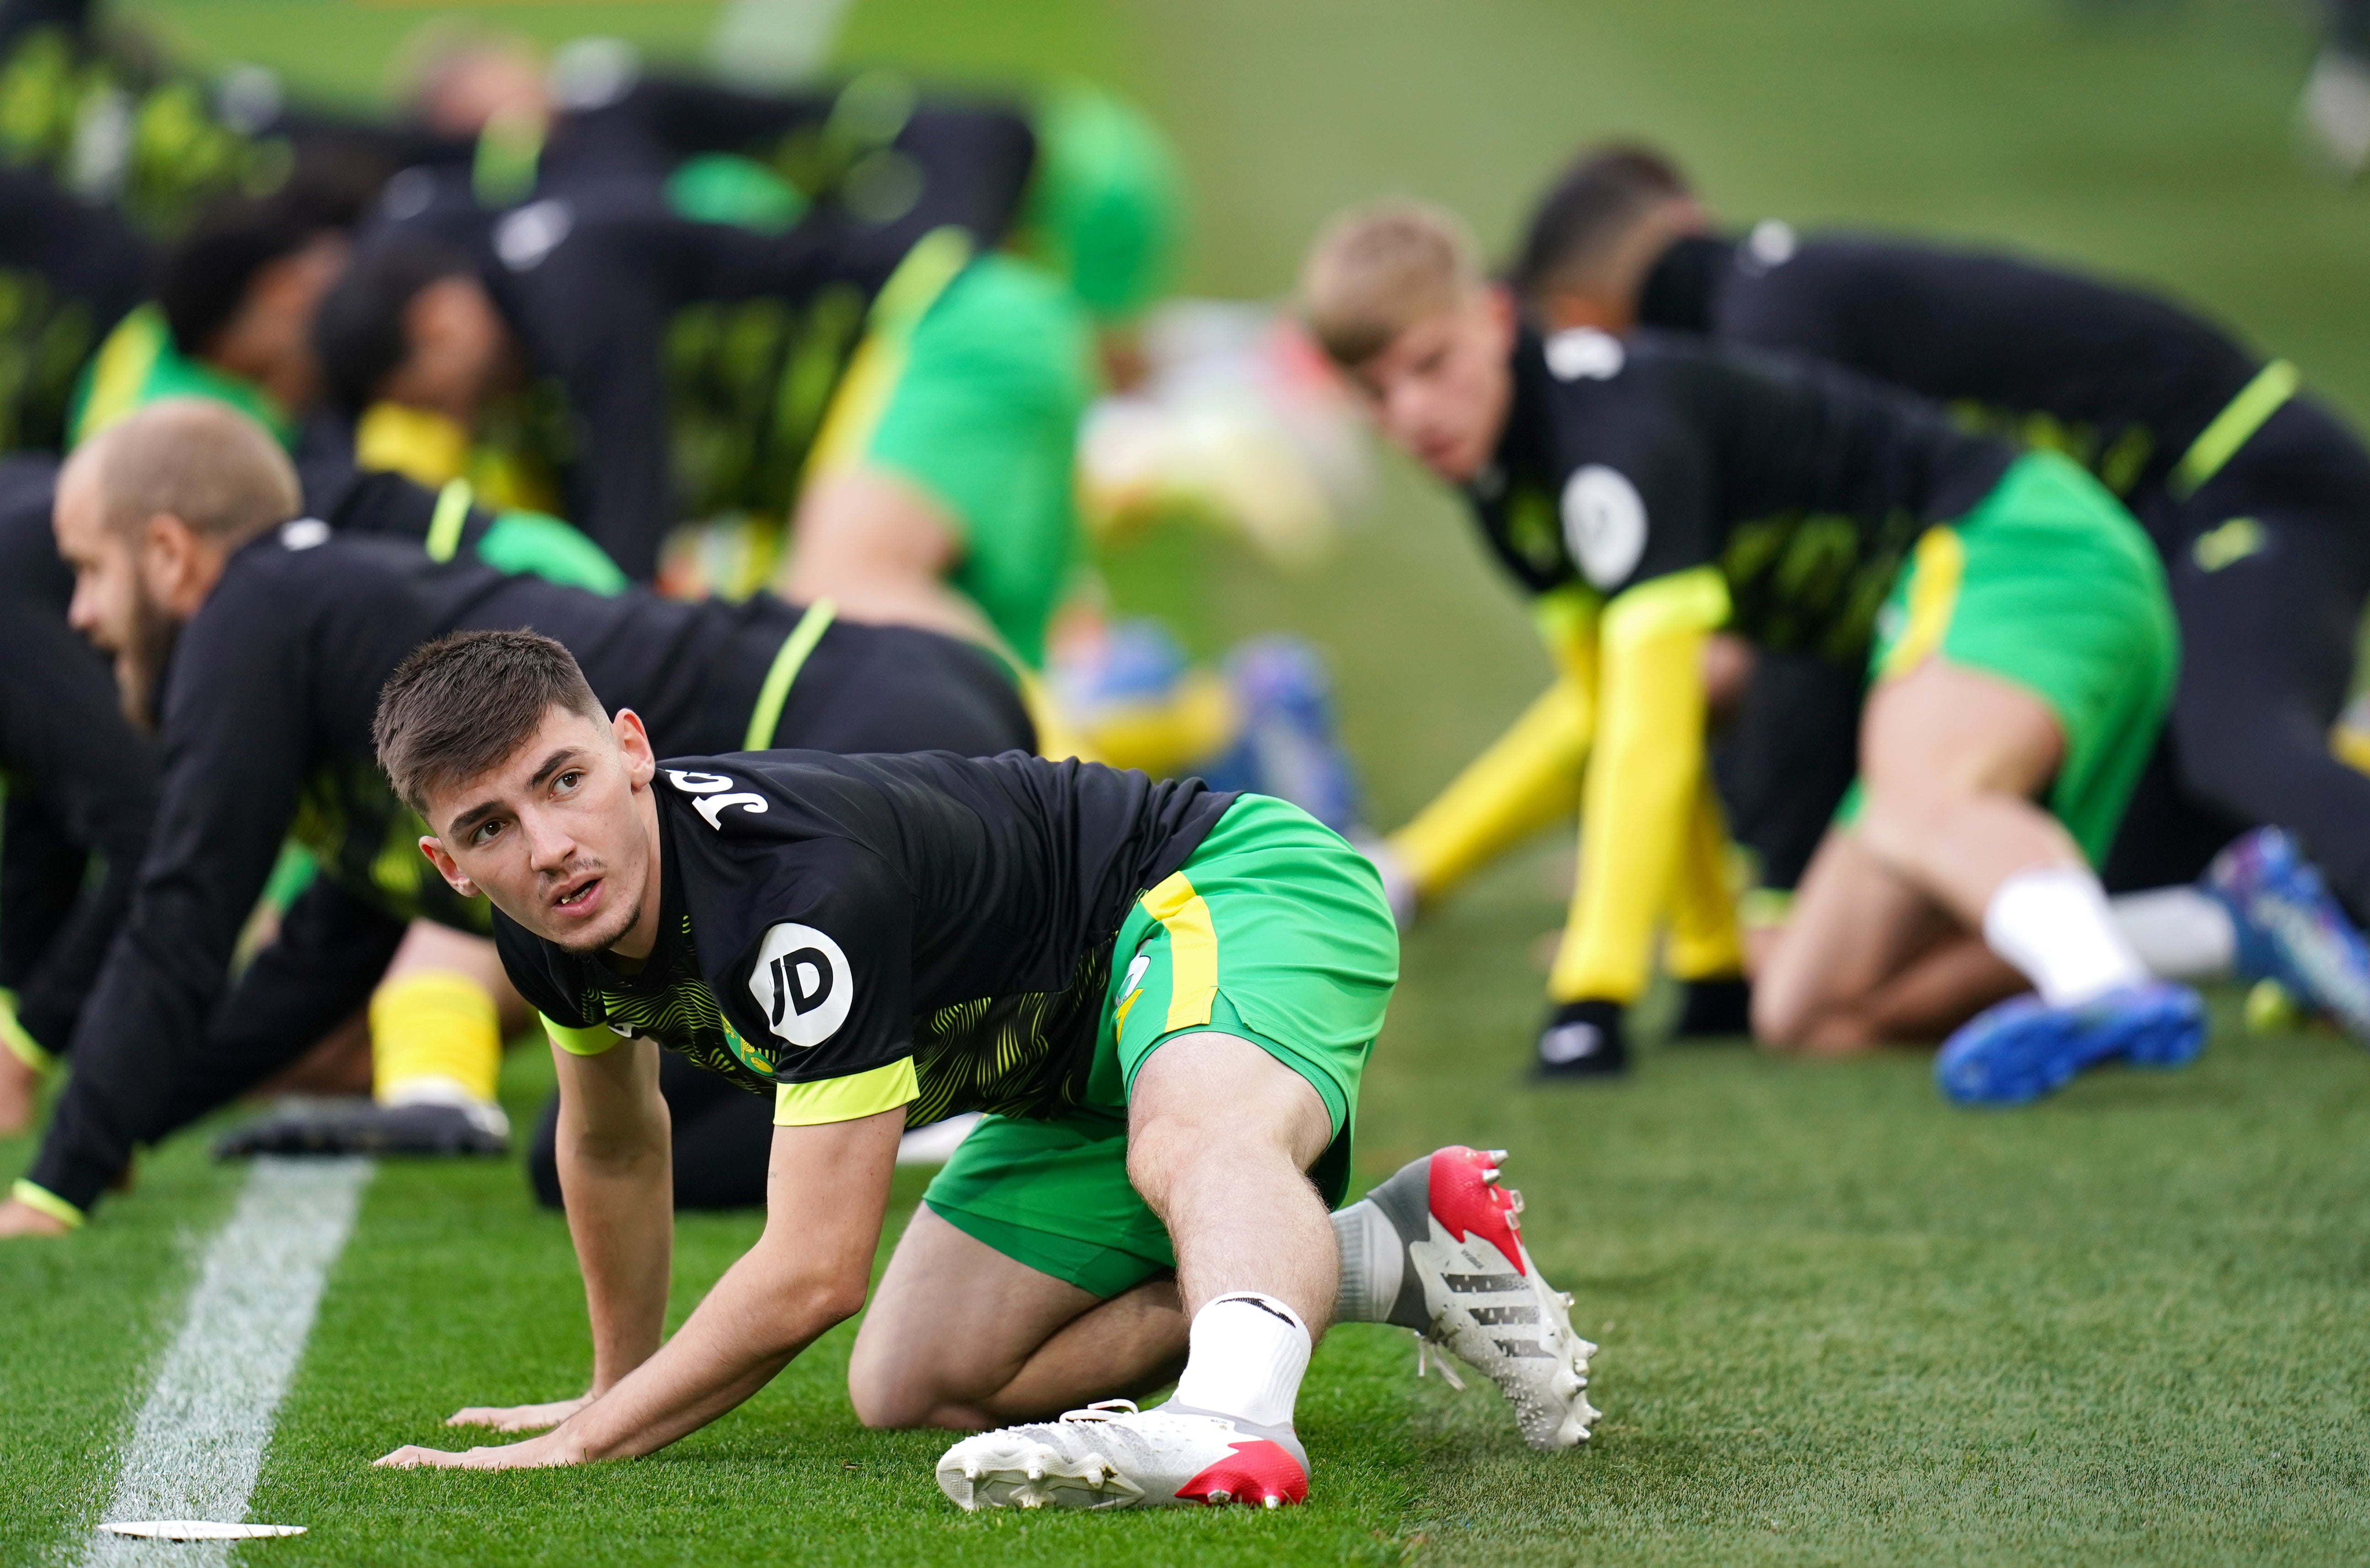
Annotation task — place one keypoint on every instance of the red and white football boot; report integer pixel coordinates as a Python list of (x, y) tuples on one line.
[(1111, 1455), (1467, 1284)]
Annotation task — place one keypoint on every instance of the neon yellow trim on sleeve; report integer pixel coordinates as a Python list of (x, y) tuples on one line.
[(48, 1203), (1939, 561), (19, 1044), (846, 1099), (1192, 951), (445, 522), (2241, 417), (592, 1041), (1696, 600), (788, 661)]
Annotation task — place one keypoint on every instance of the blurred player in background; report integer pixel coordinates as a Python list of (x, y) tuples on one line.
[(2255, 495), (1656, 489), (81, 789), (279, 638)]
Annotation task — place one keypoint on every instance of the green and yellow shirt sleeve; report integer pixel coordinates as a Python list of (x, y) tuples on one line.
[(885, 1087), (1642, 789)]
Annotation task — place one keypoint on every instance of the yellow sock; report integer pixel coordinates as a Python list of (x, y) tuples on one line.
[(1528, 778), (1706, 942), (434, 1035)]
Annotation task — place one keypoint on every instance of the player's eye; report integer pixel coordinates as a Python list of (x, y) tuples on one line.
[(484, 832), (567, 781)]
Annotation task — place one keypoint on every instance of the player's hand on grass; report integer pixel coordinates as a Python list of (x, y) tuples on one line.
[(19, 1218), (536, 1453), (519, 1418)]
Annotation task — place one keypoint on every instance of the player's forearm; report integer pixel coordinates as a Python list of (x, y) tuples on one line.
[(621, 1215), (759, 1316)]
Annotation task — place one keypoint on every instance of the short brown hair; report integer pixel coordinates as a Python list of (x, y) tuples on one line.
[(1589, 211), (460, 706), (1377, 270), (196, 459)]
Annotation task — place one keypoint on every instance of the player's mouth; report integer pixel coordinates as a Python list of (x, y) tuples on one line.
[(579, 899)]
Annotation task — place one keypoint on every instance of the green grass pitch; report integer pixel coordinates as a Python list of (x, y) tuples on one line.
[(1841, 1322)]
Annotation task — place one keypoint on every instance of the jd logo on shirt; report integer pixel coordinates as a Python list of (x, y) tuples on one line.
[(802, 984)]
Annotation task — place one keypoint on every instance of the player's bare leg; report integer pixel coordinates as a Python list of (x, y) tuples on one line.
[(1220, 1134), (1953, 759), (1025, 1346)]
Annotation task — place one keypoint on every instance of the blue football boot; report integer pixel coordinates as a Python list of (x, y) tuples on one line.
[(2290, 930), (2024, 1048), (1288, 748)]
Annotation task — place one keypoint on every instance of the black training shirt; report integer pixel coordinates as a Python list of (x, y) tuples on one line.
[(1629, 460), (2118, 379), (826, 916), (81, 782)]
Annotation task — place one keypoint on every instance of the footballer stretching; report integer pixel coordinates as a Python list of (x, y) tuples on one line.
[(1164, 996)]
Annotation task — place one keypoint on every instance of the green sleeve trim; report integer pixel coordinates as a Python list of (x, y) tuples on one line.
[(530, 543), (846, 1099), (2240, 418), (787, 663), (19, 1044), (592, 1041), (48, 1203), (1694, 600), (444, 525)]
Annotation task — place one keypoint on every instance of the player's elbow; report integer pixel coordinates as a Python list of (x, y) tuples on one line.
[(806, 1304)]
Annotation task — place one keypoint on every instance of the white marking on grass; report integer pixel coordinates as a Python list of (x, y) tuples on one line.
[(199, 1442)]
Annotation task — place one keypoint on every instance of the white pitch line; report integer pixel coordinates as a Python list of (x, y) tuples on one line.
[(199, 1442)]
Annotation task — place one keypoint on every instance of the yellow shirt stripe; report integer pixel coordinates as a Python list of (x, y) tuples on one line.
[(1939, 562), (1192, 951), (846, 1099)]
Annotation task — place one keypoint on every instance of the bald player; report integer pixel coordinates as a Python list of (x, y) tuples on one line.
[(255, 641)]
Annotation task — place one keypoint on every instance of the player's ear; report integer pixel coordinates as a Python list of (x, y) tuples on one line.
[(634, 745), (446, 867), (1501, 311)]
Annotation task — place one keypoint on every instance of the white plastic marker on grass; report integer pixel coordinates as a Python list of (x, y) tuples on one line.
[(198, 1530), (199, 1442)]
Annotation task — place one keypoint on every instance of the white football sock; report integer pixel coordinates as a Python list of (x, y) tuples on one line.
[(1245, 1355), (2051, 923), (2180, 933), (1373, 1261)]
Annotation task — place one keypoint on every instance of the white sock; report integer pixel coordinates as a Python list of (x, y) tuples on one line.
[(2051, 923), (1373, 1260), (1245, 1355), (2180, 933)]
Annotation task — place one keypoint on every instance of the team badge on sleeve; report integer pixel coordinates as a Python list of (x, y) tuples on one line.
[(1603, 524), (802, 983)]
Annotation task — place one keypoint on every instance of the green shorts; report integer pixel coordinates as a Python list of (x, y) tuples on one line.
[(975, 397), (1276, 931), (2049, 583)]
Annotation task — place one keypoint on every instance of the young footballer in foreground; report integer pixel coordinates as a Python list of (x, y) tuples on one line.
[(1164, 995)]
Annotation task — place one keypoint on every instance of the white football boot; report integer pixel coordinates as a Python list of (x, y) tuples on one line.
[(1111, 1455), (1465, 1283)]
